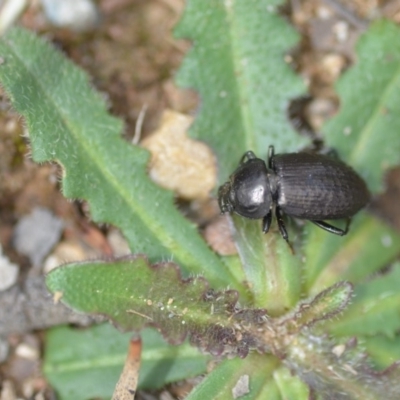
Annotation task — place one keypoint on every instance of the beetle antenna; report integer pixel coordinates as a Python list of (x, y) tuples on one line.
[(271, 153)]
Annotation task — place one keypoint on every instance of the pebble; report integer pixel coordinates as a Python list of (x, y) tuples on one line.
[(8, 272), (4, 350), (36, 234), (77, 15), (178, 162)]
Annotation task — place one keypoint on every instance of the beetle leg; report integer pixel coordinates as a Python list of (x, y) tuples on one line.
[(333, 229), (249, 155), (348, 220), (271, 153), (332, 153), (223, 198), (266, 222), (281, 224)]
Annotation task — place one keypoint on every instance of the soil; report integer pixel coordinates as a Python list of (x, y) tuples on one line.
[(132, 58)]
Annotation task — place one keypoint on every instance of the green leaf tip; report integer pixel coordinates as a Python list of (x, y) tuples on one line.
[(237, 65), (68, 122), (324, 306), (375, 308)]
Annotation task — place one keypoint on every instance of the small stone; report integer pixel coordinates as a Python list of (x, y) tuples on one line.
[(4, 350), (339, 350), (242, 387), (219, 237), (333, 64), (77, 15), (179, 163), (118, 243), (8, 272), (66, 251), (7, 391), (24, 350), (36, 234)]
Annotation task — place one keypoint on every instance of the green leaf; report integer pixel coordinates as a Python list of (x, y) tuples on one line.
[(383, 350), (273, 273), (366, 130), (291, 387), (218, 384), (68, 123), (375, 309), (324, 306), (83, 364), (368, 247), (237, 66), (340, 370), (135, 294)]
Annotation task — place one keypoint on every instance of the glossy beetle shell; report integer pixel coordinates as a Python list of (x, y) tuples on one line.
[(247, 193), (317, 187), (303, 185)]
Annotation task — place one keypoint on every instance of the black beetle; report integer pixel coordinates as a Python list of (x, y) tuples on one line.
[(309, 186)]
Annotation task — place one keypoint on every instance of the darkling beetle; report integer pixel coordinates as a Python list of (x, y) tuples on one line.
[(308, 186)]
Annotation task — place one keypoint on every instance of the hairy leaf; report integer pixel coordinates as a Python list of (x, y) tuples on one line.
[(383, 350), (237, 66), (375, 308), (68, 123), (75, 359), (340, 372), (324, 306), (135, 295), (291, 387), (227, 378), (368, 247), (366, 130), (273, 273)]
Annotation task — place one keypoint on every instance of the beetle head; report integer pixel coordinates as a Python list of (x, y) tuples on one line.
[(224, 201), (247, 192)]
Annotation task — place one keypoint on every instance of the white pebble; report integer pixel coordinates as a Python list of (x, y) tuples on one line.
[(78, 15), (8, 272)]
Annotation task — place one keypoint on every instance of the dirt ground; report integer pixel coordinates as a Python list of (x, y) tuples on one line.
[(131, 58)]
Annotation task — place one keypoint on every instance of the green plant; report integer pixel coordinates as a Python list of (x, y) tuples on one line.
[(280, 312)]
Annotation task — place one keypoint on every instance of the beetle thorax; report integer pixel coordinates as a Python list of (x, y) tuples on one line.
[(250, 191), (273, 186)]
